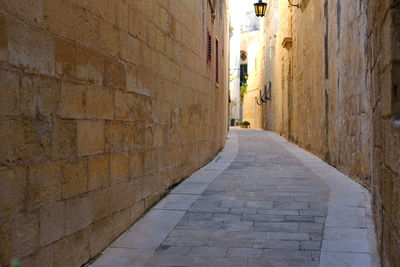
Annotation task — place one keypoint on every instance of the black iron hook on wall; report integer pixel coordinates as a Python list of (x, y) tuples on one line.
[(290, 2), (266, 96)]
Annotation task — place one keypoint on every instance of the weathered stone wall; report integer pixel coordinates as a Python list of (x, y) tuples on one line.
[(104, 104), (267, 56), (252, 112), (384, 73), (337, 95), (320, 71)]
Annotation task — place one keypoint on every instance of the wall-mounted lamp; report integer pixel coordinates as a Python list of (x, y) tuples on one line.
[(260, 8), (246, 76), (290, 2)]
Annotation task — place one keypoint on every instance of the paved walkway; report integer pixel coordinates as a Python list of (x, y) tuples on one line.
[(261, 202)]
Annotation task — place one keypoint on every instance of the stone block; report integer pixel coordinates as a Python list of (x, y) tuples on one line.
[(123, 16), (109, 38), (25, 233), (90, 137), (119, 167), (145, 83), (5, 241), (3, 39), (98, 172), (136, 186), (148, 135), (77, 214), (131, 78), (122, 196), (39, 95), (124, 104), (36, 145), (164, 20), (115, 136), (45, 256), (137, 25), (99, 103), (136, 164), (65, 19), (137, 135), (176, 28), (30, 48), (72, 100), (101, 235), (130, 48), (65, 58), (121, 222), (72, 250), (90, 65), (387, 190), (136, 211), (12, 136), (114, 74), (48, 97), (64, 140), (144, 108), (102, 203), (13, 185), (160, 40), (112, 13), (44, 184), (9, 93), (74, 178), (146, 7), (149, 161), (148, 184), (52, 222), (169, 47)]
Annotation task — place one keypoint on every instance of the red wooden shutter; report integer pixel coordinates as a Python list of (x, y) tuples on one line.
[(216, 62), (209, 48)]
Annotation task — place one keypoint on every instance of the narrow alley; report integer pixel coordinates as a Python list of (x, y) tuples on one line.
[(199, 133), (261, 202)]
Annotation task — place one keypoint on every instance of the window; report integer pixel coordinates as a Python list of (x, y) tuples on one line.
[(243, 71), (216, 61), (208, 48)]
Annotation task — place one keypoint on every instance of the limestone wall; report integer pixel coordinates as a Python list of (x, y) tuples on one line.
[(252, 112), (384, 74), (336, 94), (267, 56), (104, 104)]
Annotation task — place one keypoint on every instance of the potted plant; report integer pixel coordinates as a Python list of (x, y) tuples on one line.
[(245, 124)]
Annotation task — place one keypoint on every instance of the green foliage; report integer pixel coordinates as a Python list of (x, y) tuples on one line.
[(15, 263), (245, 123), (243, 90)]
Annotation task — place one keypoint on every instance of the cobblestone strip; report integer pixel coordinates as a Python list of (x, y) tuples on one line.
[(138, 244), (349, 235)]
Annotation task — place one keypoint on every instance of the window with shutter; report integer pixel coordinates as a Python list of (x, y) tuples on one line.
[(216, 62), (209, 48)]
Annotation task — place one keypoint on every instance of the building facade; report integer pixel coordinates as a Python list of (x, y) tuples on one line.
[(335, 93), (104, 105)]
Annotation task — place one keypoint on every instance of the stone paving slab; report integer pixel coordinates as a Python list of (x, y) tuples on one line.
[(261, 202)]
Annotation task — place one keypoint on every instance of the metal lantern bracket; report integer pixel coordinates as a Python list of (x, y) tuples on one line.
[(297, 5), (266, 96)]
